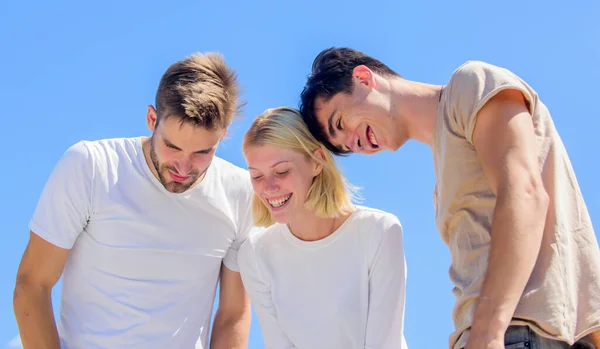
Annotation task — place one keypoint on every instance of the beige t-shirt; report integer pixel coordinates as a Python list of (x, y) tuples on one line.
[(562, 298)]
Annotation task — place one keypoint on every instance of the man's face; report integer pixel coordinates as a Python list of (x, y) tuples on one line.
[(181, 153), (360, 122)]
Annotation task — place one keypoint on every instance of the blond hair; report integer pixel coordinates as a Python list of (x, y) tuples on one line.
[(330, 194), (201, 90)]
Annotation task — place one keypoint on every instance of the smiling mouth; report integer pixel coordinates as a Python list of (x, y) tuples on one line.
[(371, 138), (279, 201)]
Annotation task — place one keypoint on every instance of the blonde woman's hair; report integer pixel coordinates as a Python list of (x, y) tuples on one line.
[(330, 194)]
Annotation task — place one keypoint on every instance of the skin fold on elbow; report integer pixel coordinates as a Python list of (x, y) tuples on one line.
[(528, 195), (537, 196), (26, 292)]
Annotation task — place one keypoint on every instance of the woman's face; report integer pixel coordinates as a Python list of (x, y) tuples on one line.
[(281, 179)]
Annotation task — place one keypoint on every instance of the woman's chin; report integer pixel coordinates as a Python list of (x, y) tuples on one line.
[(281, 216)]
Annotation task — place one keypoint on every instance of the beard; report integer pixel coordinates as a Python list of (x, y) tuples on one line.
[(161, 169)]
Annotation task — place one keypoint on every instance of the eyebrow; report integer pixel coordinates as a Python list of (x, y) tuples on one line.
[(277, 163), (202, 151), (330, 123)]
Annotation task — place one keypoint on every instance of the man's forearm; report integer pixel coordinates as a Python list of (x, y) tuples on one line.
[(35, 318), (517, 229), (231, 333)]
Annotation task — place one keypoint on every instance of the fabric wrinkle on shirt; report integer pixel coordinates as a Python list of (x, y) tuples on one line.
[(562, 297)]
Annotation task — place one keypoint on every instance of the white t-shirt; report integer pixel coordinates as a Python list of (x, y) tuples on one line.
[(144, 264), (346, 291)]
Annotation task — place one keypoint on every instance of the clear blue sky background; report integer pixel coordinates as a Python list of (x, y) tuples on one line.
[(73, 70)]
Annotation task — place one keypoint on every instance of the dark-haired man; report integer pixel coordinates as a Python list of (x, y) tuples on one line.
[(525, 259)]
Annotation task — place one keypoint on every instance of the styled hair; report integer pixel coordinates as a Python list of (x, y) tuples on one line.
[(332, 74), (200, 90), (330, 194)]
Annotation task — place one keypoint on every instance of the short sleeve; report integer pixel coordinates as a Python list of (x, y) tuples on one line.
[(472, 85), (244, 226), (64, 206)]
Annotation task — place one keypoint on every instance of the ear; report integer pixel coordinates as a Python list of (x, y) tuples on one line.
[(151, 118), (225, 134), (364, 76), (318, 166)]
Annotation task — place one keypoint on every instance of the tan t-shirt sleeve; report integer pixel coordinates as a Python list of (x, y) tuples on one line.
[(472, 85)]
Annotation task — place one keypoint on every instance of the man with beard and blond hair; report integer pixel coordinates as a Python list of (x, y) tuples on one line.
[(144, 228), (525, 259)]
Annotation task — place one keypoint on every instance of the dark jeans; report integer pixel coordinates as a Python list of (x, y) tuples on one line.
[(522, 337)]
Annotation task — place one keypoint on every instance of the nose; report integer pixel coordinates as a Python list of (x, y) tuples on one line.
[(354, 143), (184, 167), (271, 184)]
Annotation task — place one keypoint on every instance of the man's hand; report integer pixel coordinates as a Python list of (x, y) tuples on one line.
[(41, 267), (232, 321), (505, 142)]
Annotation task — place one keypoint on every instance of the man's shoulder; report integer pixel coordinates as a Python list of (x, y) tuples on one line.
[(227, 167), (98, 157), (474, 67), (231, 177), (107, 145), (481, 76), (83, 153), (105, 149), (263, 237)]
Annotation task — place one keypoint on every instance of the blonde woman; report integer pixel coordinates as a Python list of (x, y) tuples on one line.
[(324, 273)]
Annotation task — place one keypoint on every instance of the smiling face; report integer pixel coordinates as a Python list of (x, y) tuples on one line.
[(281, 179), (180, 153), (361, 121)]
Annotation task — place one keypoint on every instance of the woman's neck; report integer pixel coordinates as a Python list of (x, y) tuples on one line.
[(307, 226)]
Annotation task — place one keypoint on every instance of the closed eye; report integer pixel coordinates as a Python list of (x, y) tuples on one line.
[(342, 149), (282, 172), (257, 177), (170, 145), (338, 124)]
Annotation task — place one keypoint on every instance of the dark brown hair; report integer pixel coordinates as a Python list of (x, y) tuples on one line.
[(332, 74)]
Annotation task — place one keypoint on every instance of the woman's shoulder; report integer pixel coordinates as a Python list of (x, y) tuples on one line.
[(374, 216)]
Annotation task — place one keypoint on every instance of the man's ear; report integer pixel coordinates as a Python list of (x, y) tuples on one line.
[(151, 118), (362, 75), (225, 134)]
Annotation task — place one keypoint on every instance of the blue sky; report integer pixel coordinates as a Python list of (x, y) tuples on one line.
[(75, 70)]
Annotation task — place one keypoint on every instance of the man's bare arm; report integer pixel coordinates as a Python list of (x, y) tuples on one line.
[(232, 321), (41, 267), (505, 142)]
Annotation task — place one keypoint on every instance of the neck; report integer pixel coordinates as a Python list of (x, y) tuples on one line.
[(307, 226), (415, 105), (146, 149)]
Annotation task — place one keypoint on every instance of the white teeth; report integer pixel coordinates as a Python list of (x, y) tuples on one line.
[(279, 202), (372, 138)]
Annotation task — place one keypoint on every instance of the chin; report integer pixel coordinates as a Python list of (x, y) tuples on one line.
[(177, 188), (397, 146)]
